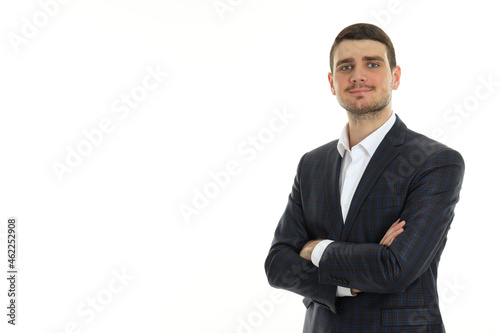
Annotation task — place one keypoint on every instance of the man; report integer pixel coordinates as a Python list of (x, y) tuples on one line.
[(340, 242)]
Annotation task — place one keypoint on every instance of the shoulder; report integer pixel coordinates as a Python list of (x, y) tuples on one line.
[(316, 159), (420, 147), (320, 154), (426, 158), (323, 149)]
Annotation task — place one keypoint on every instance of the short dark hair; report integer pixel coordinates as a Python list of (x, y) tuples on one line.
[(361, 31)]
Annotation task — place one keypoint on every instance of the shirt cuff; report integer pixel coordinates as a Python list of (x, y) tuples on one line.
[(344, 292), (316, 255), (318, 251)]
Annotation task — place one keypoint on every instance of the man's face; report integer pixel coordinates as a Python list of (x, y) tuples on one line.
[(362, 79)]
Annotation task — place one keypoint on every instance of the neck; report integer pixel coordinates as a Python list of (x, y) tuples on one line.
[(360, 126)]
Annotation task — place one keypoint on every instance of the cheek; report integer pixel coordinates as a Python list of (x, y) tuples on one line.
[(380, 84), (340, 84), (384, 82)]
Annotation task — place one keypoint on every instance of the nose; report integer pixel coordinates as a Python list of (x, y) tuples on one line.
[(358, 76)]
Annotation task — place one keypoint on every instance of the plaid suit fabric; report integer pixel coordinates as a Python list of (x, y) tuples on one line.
[(410, 177)]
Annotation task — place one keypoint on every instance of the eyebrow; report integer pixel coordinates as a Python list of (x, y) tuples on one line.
[(365, 58)]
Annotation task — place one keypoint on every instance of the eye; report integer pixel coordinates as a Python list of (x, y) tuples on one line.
[(346, 68), (374, 65)]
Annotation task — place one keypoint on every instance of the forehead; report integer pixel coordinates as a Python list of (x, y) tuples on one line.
[(359, 48)]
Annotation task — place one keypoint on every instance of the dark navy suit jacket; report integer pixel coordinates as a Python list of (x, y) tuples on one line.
[(410, 177)]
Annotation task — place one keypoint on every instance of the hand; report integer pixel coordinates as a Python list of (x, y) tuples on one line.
[(308, 248), (391, 234)]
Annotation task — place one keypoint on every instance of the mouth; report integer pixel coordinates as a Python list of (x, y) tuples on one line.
[(360, 91)]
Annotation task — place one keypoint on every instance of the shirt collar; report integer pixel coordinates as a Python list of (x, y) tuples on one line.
[(371, 142)]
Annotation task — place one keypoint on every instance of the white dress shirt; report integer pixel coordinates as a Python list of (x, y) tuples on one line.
[(352, 167)]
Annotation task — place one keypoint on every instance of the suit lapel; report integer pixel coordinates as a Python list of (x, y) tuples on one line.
[(385, 153), (333, 192)]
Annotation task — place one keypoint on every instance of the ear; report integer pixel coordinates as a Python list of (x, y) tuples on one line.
[(330, 79), (396, 77)]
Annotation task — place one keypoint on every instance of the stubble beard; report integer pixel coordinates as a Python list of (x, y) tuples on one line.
[(370, 111)]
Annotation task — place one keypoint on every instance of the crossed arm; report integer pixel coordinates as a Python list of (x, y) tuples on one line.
[(395, 229), (377, 268)]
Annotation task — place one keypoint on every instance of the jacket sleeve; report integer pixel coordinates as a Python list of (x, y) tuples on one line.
[(285, 269), (428, 212)]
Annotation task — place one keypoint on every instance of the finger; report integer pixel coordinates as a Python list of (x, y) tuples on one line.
[(390, 241), (397, 231), (394, 229), (393, 238), (389, 237), (384, 239), (386, 236)]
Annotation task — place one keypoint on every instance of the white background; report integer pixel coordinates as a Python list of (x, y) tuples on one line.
[(118, 210)]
